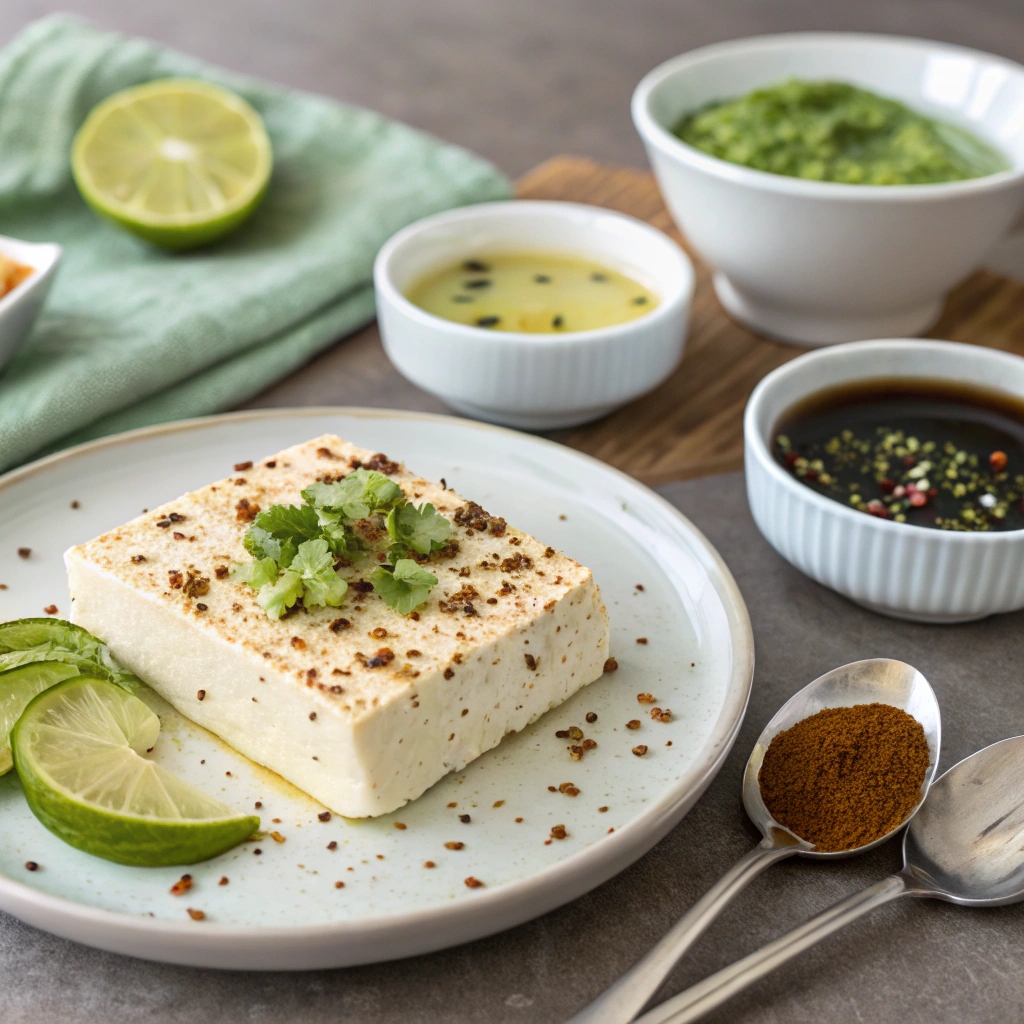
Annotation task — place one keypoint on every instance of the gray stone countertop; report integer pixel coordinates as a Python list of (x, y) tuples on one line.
[(914, 962)]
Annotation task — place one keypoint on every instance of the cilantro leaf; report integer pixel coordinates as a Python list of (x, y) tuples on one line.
[(277, 532), (321, 584), (405, 588), (257, 573), (357, 495), (423, 529), (276, 598)]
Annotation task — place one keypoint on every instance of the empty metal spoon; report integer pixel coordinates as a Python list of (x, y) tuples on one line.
[(965, 845), (878, 680)]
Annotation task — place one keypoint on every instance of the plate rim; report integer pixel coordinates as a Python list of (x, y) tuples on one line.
[(604, 858)]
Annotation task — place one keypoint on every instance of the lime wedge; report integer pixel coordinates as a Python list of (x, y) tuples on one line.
[(78, 749), (17, 688), (177, 161), (26, 641)]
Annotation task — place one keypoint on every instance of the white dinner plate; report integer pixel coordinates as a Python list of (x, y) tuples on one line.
[(281, 907)]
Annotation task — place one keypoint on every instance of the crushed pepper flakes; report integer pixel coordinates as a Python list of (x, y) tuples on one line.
[(640, 750), (182, 885), (474, 883), (645, 698), (196, 915), (454, 845)]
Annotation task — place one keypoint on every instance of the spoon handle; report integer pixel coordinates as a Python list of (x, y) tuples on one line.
[(703, 997), (622, 1001)]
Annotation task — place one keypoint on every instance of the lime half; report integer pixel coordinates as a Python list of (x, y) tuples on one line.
[(17, 688), (177, 161), (78, 749), (26, 641)]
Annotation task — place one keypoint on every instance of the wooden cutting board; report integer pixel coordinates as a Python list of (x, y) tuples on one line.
[(692, 424)]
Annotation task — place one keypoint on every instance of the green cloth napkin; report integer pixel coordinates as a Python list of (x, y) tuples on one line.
[(131, 335)]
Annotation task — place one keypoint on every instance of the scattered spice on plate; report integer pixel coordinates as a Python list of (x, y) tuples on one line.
[(196, 915), (223, 880), (474, 883), (454, 845), (591, 717), (339, 885), (640, 749), (24, 552), (645, 698), (182, 885), (333, 844), (31, 865), (844, 777), (50, 609), (568, 789)]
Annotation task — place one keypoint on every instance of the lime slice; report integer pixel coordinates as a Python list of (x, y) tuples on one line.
[(26, 641), (78, 749), (17, 688), (178, 162)]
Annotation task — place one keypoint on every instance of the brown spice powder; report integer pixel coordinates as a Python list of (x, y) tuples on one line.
[(845, 777)]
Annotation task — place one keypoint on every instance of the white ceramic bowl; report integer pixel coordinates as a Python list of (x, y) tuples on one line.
[(909, 572), (534, 381), (819, 262), (20, 306)]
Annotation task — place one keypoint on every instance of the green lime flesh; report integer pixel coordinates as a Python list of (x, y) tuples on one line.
[(179, 162), (17, 688), (78, 749)]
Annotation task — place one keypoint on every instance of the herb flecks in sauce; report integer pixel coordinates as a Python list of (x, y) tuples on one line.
[(927, 453), (536, 293), (833, 131)]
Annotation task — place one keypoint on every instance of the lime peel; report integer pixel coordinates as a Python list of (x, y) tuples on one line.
[(78, 750)]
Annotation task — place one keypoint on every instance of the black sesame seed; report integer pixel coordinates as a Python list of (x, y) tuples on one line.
[(542, 279), (477, 282), (464, 818), (488, 321), (640, 300), (557, 322), (462, 298), (476, 266)]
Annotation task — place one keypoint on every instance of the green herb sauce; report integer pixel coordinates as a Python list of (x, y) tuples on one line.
[(832, 131)]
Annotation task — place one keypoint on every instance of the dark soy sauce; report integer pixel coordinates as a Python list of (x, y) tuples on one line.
[(927, 452)]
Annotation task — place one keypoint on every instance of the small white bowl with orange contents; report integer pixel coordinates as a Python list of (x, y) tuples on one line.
[(26, 273), (533, 379)]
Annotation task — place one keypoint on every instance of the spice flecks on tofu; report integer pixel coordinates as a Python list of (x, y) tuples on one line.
[(359, 706)]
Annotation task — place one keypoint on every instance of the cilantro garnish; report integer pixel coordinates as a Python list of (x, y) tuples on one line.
[(405, 587), (363, 515)]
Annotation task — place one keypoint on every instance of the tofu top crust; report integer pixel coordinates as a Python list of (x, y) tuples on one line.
[(493, 581)]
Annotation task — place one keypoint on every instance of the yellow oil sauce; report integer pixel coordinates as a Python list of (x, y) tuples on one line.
[(536, 293)]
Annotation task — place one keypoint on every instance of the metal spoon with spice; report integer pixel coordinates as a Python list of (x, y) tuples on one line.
[(848, 769), (965, 846)]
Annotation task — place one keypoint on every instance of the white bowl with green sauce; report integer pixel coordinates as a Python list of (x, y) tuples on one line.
[(535, 315), (839, 184)]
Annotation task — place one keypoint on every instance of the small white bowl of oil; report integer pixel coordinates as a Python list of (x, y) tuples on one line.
[(535, 315)]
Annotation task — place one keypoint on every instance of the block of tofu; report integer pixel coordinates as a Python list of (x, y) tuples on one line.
[(360, 707)]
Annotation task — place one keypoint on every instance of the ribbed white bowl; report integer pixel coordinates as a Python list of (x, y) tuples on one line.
[(910, 572), (535, 381)]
